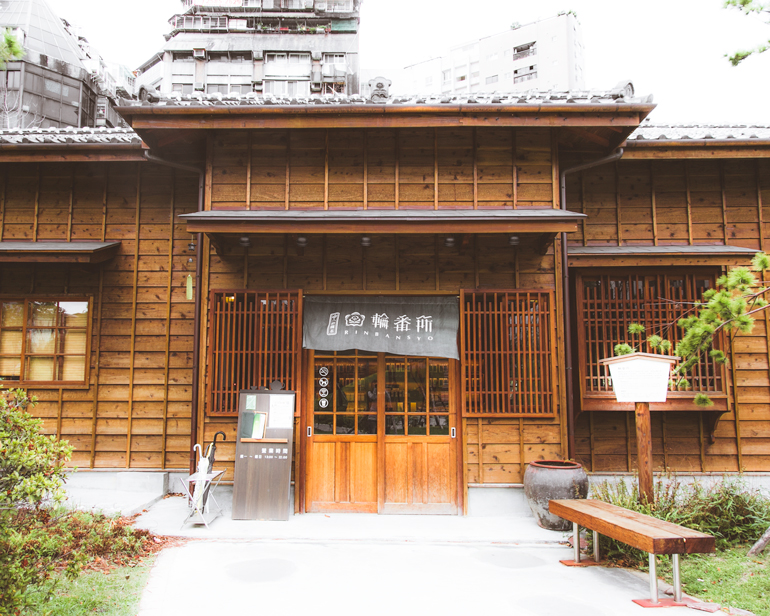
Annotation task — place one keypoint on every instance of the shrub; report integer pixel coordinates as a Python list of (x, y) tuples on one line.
[(40, 542), (32, 468), (728, 510)]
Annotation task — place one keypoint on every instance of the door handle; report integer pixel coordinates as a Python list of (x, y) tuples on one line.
[(310, 431), (454, 432)]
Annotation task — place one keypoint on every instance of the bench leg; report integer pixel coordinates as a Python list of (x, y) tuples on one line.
[(596, 547), (653, 581), (576, 546), (677, 578)]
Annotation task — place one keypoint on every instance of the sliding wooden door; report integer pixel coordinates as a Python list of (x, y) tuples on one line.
[(420, 440), (382, 434), (342, 434)]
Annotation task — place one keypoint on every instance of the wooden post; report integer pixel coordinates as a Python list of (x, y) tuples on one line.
[(644, 451)]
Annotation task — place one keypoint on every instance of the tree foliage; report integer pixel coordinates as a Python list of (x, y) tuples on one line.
[(10, 49), (751, 8), (729, 307), (32, 468)]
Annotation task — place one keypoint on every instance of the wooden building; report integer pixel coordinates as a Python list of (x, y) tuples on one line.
[(146, 280)]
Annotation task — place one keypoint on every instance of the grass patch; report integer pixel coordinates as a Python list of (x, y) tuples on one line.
[(735, 515), (728, 577), (113, 593)]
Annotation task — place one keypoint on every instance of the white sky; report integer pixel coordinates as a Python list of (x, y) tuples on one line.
[(673, 49)]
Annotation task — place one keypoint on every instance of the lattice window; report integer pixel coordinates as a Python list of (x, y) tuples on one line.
[(608, 303), (508, 353), (254, 339)]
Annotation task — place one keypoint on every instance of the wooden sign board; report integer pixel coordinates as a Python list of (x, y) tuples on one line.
[(263, 453)]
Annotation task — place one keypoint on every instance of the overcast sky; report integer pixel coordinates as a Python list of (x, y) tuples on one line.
[(673, 49)]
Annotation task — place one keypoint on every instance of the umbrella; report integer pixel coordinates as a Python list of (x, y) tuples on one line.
[(208, 460)]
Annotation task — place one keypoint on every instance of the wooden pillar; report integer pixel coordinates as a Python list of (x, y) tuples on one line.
[(644, 451)]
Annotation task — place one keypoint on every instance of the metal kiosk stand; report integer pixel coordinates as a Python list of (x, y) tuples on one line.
[(263, 454)]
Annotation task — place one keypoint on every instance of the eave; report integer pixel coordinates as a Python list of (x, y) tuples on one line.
[(696, 149), (544, 221), (57, 252)]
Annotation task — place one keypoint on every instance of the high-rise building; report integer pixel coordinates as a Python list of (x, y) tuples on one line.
[(543, 55), (60, 81), (273, 47)]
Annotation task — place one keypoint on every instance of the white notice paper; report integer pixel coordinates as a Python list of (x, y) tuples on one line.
[(251, 403), (281, 412)]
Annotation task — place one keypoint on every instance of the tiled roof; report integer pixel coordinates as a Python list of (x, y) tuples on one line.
[(532, 97), (699, 132), (48, 136)]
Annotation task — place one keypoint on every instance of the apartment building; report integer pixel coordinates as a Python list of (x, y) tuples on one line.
[(272, 47), (542, 55)]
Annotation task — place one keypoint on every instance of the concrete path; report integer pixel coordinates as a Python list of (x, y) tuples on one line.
[(340, 579), (340, 564)]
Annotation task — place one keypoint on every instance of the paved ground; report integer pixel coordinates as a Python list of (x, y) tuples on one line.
[(342, 564), (385, 578)]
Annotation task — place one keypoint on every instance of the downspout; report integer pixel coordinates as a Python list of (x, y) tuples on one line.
[(566, 295), (197, 320)]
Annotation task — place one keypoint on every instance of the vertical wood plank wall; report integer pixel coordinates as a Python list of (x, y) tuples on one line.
[(681, 202), (143, 325), (392, 169), (136, 412)]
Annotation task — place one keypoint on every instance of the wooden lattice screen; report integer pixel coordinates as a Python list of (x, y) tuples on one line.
[(508, 354), (608, 303), (254, 339)]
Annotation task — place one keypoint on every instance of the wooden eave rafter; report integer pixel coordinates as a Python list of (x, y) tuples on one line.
[(696, 149), (624, 115), (72, 152), (545, 222), (57, 252)]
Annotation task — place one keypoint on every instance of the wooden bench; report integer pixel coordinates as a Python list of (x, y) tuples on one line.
[(637, 530)]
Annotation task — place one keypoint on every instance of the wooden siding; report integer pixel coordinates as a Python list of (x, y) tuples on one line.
[(136, 411), (382, 169), (683, 202), (469, 168)]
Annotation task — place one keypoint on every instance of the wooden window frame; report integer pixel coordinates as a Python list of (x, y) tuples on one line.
[(27, 300), (676, 400), (534, 396), (249, 363)]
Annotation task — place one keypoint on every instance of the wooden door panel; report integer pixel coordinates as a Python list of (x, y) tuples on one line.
[(322, 460), (441, 485), (363, 473), (396, 482), (343, 477), (420, 476)]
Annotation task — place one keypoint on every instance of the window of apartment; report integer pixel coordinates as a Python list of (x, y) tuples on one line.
[(446, 75), (335, 58), (225, 89), (524, 51), (12, 79), (182, 88), (492, 79), (44, 340), (287, 88), (492, 57), (291, 58), (240, 57), (525, 74), (461, 77), (219, 57), (339, 6), (475, 75), (185, 56)]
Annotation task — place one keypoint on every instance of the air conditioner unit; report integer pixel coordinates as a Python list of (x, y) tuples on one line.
[(199, 86), (199, 54)]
